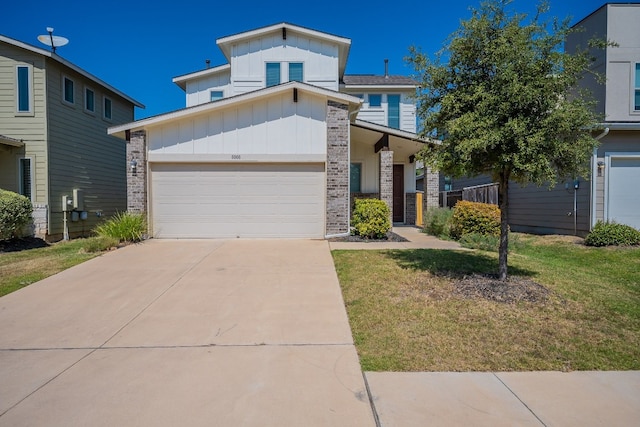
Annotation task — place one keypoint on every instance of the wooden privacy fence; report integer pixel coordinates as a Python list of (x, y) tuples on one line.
[(419, 217), (486, 193)]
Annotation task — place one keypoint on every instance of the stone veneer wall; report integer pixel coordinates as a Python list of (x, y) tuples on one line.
[(410, 209), (40, 226), (137, 181), (337, 209), (386, 180)]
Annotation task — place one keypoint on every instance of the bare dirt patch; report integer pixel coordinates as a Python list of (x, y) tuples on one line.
[(389, 237), (515, 289)]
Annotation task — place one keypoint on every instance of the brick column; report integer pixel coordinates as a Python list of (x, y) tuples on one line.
[(410, 209), (137, 179), (431, 189), (386, 180), (337, 218)]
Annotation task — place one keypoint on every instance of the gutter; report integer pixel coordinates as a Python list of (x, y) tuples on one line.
[(594, 174)]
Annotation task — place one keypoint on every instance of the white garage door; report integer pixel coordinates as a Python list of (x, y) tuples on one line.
[(232, 200), (623, 193)]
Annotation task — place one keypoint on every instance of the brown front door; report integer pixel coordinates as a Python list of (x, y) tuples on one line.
[(398, 193)]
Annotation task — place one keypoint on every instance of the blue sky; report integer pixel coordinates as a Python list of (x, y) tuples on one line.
[(138, 47)]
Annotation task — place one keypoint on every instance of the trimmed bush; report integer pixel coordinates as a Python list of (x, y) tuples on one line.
[(371, 218), (474, 217), (124, 226), (437, 222), (612, 234), (15, 214)]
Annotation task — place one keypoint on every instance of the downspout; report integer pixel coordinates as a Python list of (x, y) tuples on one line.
[(594, 175)]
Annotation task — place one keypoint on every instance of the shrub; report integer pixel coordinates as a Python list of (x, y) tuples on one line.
[(612, 234), (474, 217), (15, 214), (99, 243), (437, 222), (371, 218), (126, 227)]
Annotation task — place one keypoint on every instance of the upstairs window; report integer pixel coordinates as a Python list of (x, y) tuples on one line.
[(636, 102), (375, 100), (295, 72), (89, 100), (273, 73), (394, 111), (107, 112), (215, 95), (24, 89), (67, 90)]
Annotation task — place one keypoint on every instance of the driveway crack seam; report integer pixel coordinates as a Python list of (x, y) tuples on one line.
[(521, 401), (371, 401)]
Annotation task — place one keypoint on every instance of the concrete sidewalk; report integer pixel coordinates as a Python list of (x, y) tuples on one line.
[(189, 333), (416, 240)]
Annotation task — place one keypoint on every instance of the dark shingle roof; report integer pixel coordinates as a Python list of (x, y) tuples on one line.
[(370, 79)]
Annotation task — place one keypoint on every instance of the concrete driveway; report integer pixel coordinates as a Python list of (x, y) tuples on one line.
[(211, 332)]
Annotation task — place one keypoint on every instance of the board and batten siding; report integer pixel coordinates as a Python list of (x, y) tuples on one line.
[(270, 126), (379, 115), (82, 155), (30, 128), (199, 90), (248, 59)]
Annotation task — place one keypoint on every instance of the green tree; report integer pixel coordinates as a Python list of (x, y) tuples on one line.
[(502, 96)]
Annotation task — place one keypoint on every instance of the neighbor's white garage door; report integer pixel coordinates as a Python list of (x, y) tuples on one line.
[(623, 194), (232, 200)]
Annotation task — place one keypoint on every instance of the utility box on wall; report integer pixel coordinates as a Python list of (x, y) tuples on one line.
[(78, 199)]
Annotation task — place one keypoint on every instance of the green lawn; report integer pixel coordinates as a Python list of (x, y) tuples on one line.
[(20, 269), (405, 316)]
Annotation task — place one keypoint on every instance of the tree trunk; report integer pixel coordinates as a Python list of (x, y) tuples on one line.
[(504, 225)]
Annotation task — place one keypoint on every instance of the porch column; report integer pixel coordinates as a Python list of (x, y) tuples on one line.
[(137, 176), (337, 209), (386, 179), (431, 189)]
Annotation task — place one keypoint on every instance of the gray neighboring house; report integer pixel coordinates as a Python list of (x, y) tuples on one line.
[(53, 139), (574, 207)]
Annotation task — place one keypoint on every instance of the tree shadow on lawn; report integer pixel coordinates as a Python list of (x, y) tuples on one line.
[(452, 263)]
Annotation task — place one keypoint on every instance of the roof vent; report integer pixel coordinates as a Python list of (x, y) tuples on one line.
[(208, 62), (386, 68)]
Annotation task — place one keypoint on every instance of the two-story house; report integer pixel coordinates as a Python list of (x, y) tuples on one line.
[(53, 140), (275, 143), (610, 192)]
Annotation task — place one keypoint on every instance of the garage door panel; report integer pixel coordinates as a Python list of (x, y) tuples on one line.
[(230, 200)]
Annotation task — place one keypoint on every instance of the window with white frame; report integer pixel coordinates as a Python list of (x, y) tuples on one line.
[(215, 95), (296, 72), (107, 107), (375, 100), (89, 100), (26, 181), (393, 112), (636, 94), (273, 74), (68, 93), (24, 89)]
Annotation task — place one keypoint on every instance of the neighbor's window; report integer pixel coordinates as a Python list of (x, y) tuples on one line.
[(394, 111), (107, 107), (273, 73), (375, 100), (636, 103), (67, 90), (89, 100), (25, 177), (448, 183), (295, 72), (215, 95), (355, 171), (24, 89)]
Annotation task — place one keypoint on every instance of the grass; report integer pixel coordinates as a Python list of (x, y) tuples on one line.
[(405, 317), (20, 269)]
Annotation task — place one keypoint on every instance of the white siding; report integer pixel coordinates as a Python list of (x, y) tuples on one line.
[(271, 126), (198, 90), (379, 115)]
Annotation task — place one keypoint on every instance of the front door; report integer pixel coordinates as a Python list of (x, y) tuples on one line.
[(398, 193)]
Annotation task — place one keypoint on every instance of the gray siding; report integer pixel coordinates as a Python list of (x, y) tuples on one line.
[(30, 128), (81, 153)]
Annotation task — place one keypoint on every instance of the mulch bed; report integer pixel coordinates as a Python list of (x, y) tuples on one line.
[(16, 245), (390, 237), (514, 289)]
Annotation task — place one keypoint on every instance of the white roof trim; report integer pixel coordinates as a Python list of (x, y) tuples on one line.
[(378, 87), (182, 80), (7, 140), (620, 125), (68, 64), (119, 130), (392, 131)]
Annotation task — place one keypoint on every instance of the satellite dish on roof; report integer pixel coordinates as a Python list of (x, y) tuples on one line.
[(51, 40)]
